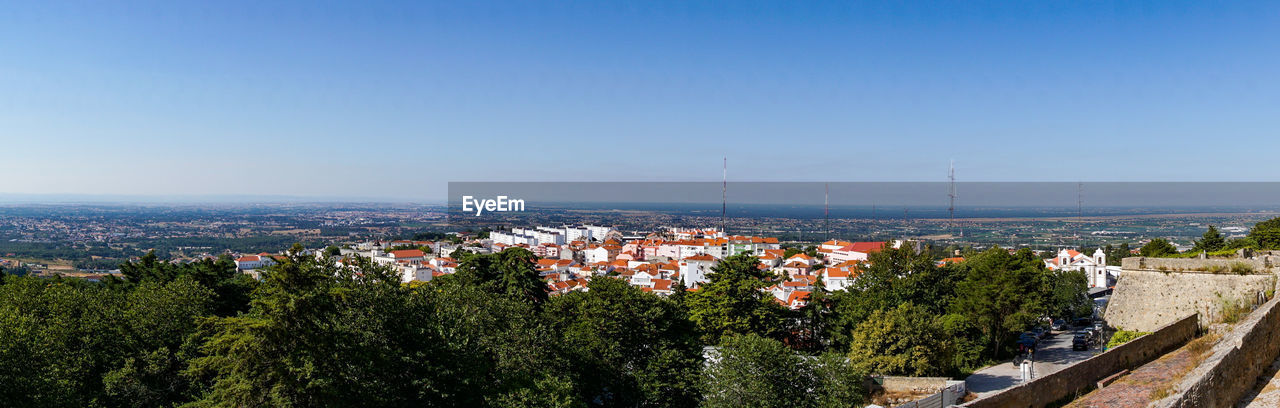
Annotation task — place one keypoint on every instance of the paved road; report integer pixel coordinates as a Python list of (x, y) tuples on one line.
[(1054, 354)]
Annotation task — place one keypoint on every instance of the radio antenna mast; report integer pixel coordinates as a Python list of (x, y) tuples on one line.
[(724, 195), (826, 209), (1080, 206), (1080, 199), (951, 192)]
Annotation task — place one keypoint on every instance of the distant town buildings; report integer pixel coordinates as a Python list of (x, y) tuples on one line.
[(569, 257)]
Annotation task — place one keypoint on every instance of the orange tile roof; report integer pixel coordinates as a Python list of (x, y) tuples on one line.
[(797, 296), (864, 247), (408, 253), (835, 273), (662, 284)]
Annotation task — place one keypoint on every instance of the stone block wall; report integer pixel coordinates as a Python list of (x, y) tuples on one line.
[(1260, 264), (1233, 364), (1147, 299), (919, 385)]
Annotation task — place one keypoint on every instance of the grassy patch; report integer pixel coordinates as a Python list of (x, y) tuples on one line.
[(1124, 336), (1241, 268), (1200, 346), (1231, 310), (1226, 253)]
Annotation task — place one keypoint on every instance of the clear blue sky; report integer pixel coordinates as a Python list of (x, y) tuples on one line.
[(394, 99)]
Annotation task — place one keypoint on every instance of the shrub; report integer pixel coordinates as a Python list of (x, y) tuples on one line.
[(1241, 268), (1124, 336), (1232, 310)]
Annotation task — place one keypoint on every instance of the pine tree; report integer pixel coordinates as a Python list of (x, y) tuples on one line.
[(1211, 241)]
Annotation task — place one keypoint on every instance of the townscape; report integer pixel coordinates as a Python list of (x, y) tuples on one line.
[(639, 204)]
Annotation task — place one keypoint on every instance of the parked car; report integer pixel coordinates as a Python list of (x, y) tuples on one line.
[(1087, 333), (1082, 322), (1080, 342), (1028, 339), (1039, 332), (1058, 324)]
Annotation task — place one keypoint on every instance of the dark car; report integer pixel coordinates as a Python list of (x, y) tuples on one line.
[(1026, 344), (1059, 324), (1080, 342), (1082, 322)]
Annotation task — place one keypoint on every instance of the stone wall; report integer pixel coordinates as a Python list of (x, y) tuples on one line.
[(1233, 364), (1145, 299), (916, 385), (1259, 264), (1082, 376)]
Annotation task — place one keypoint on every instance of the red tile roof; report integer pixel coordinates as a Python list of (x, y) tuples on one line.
[(864, 247), (408, 253)]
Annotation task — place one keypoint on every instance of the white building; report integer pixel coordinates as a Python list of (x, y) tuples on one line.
[(1095, 268), (694, 269), (412, 273), (596, 232), (836, 278), (251, 262), (596, 254), (400, 257)]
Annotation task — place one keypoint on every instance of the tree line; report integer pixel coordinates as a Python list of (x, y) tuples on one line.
[(1264, 235), (311, 333)]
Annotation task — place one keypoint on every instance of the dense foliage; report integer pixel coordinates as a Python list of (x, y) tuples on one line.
[(1266, 234), (753, 371), (311, 333), (1211, 241), (1158, 247)]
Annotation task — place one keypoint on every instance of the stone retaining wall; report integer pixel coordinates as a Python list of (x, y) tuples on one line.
[(1082, 376), (919, 385), (1233, 365), (1259, 264), (1146, 299)]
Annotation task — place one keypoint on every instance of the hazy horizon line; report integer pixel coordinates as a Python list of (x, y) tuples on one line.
[(81, 198)]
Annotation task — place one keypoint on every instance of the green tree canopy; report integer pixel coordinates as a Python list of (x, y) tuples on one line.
[(1158, 247), (753, 371), (1211, 241), (1266, 234), (905, 340), (627, 347), (70, 343), (732, 302), (1070, 295), (511, 273), (1002, 294), (893, 277)]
